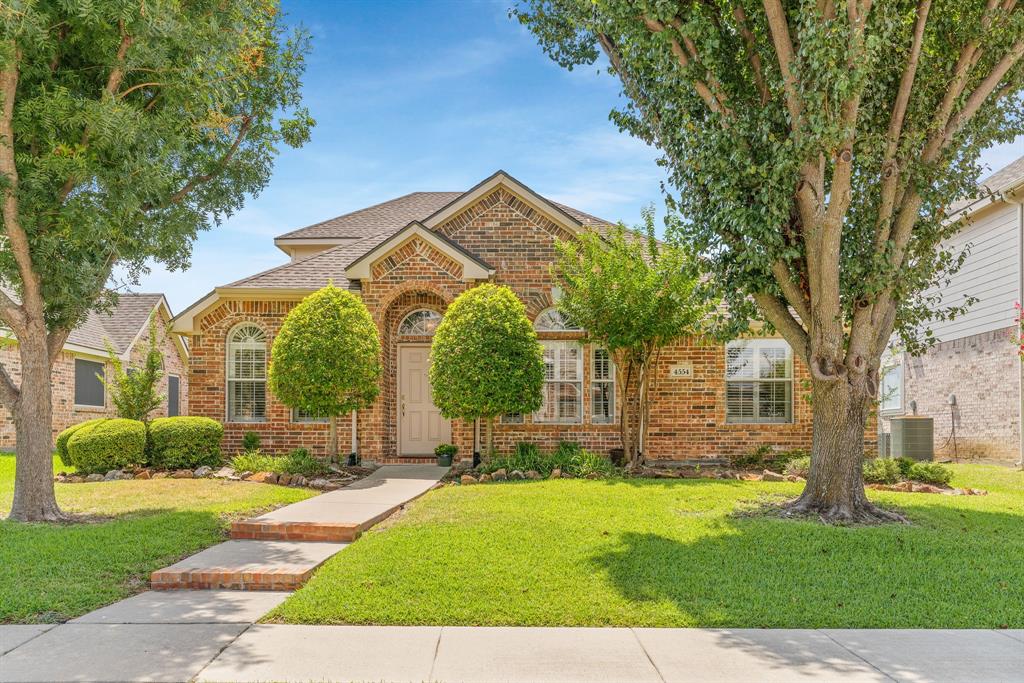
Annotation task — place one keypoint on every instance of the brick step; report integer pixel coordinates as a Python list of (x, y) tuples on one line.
[(268, 530), (246, 565)]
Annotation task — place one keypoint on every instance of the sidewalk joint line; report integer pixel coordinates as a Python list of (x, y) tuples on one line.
[(647, 654), (52, 626), (857, 655), (437, 648), (221, 651)]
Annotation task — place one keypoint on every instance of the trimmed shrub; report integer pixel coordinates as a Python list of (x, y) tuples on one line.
[(184, 442), (905, 464), (882, 471), (251, 441), (930, 473), (300, 461), (255, 461), (62, 440), (105, 445)]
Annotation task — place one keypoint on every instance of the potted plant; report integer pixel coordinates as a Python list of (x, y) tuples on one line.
[(445, 452)]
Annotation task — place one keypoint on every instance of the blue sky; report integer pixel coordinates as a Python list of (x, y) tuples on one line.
[(431, 96)]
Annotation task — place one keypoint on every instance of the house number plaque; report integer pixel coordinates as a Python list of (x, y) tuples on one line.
[(681, 371)]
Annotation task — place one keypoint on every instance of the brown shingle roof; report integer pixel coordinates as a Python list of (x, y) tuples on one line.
[(1008, 176), (396, 213), (313, 272)]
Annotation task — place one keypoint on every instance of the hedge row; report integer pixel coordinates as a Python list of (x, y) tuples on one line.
[(106, 444)]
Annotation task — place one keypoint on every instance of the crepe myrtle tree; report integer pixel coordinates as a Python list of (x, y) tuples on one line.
[(125, 128), (325, 359), (634, 297), (485, 359), (813, 147)]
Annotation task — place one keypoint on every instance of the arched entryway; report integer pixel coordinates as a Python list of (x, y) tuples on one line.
[(412, 424)]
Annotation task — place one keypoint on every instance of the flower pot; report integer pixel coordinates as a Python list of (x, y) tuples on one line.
[(444, 461), (353, 459)]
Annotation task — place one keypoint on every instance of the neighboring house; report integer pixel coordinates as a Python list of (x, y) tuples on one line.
[(78, 392), (408, 258), (970, 381)]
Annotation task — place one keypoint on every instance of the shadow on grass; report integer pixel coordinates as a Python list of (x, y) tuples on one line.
[(953, 568)]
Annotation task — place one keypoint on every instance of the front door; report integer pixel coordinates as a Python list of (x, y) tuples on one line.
[(420, 425)]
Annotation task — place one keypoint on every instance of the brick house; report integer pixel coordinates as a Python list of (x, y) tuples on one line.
[(78, 393), (408, 258), (969, 383)]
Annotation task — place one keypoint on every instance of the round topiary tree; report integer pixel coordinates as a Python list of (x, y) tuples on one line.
[(325, 359), (485, 359)]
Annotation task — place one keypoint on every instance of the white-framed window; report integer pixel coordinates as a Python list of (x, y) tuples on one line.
[(421, 323), (247, 374), (602, 387), (512, 419), (758, 381), (563, 383), (890, 384), (89, 388), (552, 320)]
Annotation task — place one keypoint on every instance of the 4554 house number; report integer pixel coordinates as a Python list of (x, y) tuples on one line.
[(681, 371)]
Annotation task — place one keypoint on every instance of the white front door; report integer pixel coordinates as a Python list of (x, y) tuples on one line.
[(420, 425)]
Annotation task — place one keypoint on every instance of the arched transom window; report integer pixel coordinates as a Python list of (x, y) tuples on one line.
[(421, 323), (247, 374), (552, 320)]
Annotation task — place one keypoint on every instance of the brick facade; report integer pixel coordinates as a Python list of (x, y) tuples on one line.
[(982, 372), (507, 232), (65, 412)]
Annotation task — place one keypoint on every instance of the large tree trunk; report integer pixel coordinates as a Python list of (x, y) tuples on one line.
[(34, 499), (332, 440), (835, 486)]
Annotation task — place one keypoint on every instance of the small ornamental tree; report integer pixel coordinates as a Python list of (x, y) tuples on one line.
[(633, 296), (485, 360), (134, 391), (325, 360)]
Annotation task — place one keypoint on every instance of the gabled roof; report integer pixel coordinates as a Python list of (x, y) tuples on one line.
[(1005, 180), (472, 266)]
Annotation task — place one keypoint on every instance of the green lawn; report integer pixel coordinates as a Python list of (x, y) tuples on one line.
[(56, 572), (670, 553)]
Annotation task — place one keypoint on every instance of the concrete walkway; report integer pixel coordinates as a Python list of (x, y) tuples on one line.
[(281, 549), (123, 644)]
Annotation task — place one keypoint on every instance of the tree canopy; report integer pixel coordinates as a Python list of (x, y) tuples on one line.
[(485, 360), (813, 148), (325, 360)]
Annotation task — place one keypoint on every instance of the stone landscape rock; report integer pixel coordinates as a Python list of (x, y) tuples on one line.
[(517, 474), (467, 479), (203, 471), (484, 478), (298, 480), (183, 474), (499, 475), (284, 479), (556, 473), (160, 475), (593, 475), (926, 488), (245, 475), (768, 475), (143, 474), (74, 479), (319, 483), (532, 474), (114, 475), (94, 477), (224, 472)]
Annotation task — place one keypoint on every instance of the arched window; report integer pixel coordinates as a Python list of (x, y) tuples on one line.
[(421, 323), (247, 374), (552, 320)]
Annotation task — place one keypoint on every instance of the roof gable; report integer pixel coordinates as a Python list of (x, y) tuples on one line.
[(473, 268)]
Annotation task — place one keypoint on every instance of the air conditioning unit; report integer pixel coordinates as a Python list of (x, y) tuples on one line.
[(884, 445), (911, 436)]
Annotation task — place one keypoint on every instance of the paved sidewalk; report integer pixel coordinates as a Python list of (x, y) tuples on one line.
[(120, 648)]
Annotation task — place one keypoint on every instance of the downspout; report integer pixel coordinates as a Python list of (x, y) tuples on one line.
[(355, 439)]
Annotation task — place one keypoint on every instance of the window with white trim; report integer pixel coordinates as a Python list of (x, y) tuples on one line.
[(300, 415), (602, 387), (758, 381), (563, 383), (890, 386), (247, 374), (552, 320), (421, 323)]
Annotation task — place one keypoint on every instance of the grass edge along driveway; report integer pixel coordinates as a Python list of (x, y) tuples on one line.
[(672, 553), (51, 573)]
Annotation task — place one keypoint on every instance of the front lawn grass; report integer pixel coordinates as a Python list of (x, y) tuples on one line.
[(672, 553), (54, 572)]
